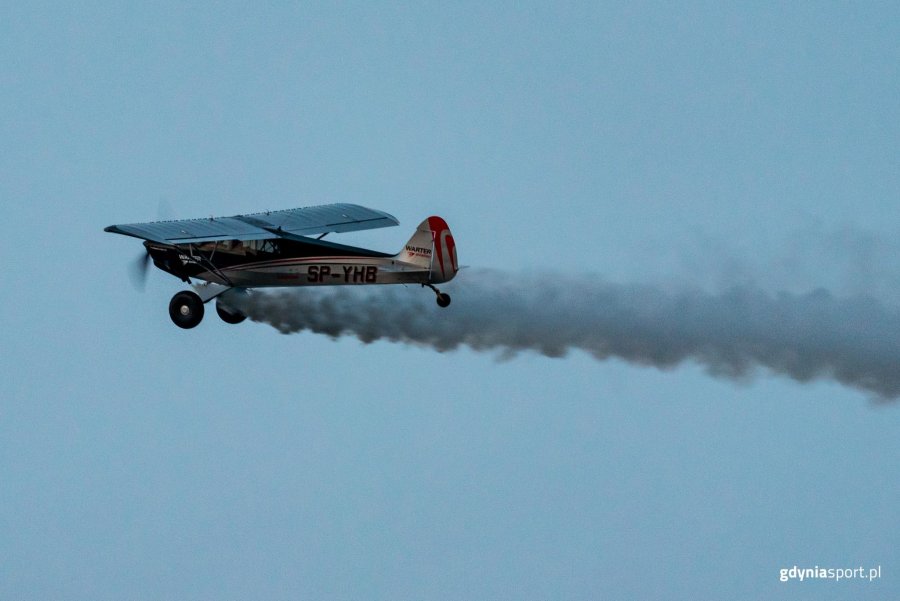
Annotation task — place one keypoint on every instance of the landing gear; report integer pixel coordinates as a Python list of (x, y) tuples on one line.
[(228, 314), (186, 309), (443, 299)]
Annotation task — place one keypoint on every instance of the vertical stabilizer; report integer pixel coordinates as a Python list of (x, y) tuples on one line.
[(432, 247)]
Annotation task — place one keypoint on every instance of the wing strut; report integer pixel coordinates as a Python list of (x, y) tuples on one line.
[(207, 262)]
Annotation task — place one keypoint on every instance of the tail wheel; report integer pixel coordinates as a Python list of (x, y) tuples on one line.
[(186, 309), (228, 314), (443, 299)]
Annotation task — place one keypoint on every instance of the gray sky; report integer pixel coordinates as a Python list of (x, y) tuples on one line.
[(696, 146)]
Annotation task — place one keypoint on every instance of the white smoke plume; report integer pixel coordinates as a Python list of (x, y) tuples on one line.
[(855, 341)]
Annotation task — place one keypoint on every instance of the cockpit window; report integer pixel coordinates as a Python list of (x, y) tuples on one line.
[(261, 246), (241, 247)]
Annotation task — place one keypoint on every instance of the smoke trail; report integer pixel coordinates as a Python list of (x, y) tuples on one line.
[(855, 341)]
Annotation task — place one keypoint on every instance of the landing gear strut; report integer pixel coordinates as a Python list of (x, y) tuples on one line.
[(443, 299), (186, 309)]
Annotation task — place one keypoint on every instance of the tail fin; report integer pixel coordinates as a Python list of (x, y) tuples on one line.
[(432, 247)]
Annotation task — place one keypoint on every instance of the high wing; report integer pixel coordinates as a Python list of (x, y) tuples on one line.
[(289, 223)]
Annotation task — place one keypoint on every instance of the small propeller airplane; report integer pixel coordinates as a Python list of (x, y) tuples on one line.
[(276, 248)]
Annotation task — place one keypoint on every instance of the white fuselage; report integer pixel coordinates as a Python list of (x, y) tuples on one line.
[(319, 271)]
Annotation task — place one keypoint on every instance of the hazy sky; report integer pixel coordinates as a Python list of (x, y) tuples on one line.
[(680, 146)]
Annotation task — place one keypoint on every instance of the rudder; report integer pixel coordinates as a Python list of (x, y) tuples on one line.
[(432, 247)]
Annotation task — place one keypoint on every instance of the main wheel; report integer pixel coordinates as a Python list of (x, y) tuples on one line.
[(228, 314), (443, 299), (186, 309)]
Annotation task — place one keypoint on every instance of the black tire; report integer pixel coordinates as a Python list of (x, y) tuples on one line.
[(186, 309), (228, 314), (443, 299)]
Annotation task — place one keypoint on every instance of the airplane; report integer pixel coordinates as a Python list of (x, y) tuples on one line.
[(276, 248)]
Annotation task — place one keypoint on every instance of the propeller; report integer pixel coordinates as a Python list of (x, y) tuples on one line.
[(138, 270)]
